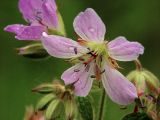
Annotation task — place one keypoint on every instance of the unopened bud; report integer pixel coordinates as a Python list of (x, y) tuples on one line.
[(44, 101), (145, 82), (34, 51), (54, 87), (33, 115)]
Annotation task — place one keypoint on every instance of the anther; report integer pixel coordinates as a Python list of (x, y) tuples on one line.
[(76, 70)]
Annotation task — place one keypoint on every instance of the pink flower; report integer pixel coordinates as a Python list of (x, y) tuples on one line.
[(95, 58), (41, 16)]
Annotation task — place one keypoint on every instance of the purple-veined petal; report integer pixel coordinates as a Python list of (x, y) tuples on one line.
[(26, 32), (15, 28), (80, 76), (118, 88), (61, 47), (50, 17), (124, 50), (31, 33), (31, 9), (89, 26)]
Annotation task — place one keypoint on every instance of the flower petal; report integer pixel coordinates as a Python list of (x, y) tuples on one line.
[(123, 50), (118, 88), (61, 47), (15, 28), (50, 17), (89, 26), (80, 76), (26, 32), (31, 9)]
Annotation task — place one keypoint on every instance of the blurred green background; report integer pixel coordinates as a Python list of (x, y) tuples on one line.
[(138, 20)]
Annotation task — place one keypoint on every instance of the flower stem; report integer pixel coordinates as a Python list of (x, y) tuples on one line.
[(101, 109), (138, 64)]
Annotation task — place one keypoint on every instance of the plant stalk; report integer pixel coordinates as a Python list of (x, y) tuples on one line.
[(138, 65), (102, 103)]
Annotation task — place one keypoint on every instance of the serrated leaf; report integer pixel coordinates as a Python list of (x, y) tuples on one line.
[(85, 108), (51, 109), (136, 116), (44, 101)]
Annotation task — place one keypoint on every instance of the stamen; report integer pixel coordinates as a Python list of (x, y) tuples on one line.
[(114, 64), (89, 60), (81, 59), (81, 41), (93, 76), (75, 50), (87, 68), (103, 71), (76, 70), (98, 73)]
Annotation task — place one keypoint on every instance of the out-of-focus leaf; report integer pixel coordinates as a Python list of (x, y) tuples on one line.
[(44, 101), (85, 108), (136, 116)]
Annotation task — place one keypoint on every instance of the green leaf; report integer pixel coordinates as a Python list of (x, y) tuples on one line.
[(51, 109), (44, 101), (85, 108), (137, 116)]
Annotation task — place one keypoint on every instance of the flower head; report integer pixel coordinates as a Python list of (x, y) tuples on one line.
[(95, 58), (145, 81), (41, 15)]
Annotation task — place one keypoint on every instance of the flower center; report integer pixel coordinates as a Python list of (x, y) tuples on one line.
[(97, 48)]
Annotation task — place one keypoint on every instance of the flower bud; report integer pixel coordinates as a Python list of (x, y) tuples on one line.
[(34, 51), (145, 82), (32, 115), (57, 99), (54, 87)]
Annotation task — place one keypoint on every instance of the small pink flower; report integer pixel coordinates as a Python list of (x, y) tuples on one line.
[(41, 15), (95, 58)]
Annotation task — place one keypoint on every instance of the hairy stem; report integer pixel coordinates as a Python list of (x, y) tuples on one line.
[(102, 103)]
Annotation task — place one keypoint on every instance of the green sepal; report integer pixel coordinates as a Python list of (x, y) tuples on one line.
[(33, 51), (51, 109), (43, 88), (70, 109), (61, 28), (85, 108), (136, 116), (44, 101)]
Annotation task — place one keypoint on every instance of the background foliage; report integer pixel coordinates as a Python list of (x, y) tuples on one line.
[(138, 20)]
